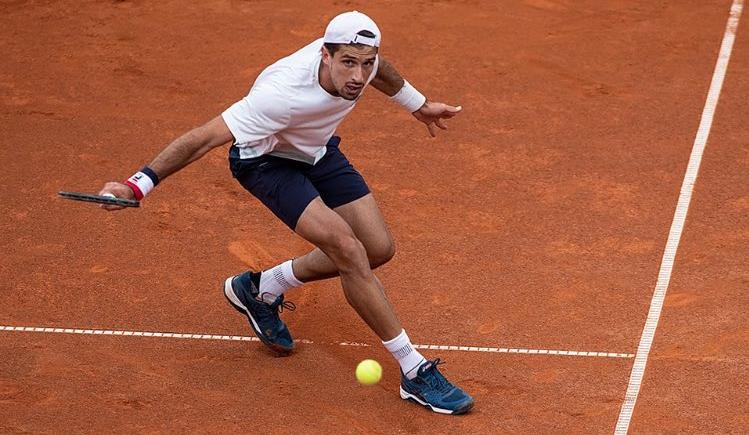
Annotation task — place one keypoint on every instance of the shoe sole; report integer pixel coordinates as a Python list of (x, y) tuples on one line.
[(237, 305), (405, 395)]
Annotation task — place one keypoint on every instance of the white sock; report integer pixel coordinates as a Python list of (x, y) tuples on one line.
[(409, 358), (276, 281)]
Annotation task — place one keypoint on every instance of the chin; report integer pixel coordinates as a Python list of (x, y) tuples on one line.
[(349, 96)]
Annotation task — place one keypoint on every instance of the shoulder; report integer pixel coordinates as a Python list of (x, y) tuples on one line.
[(271, 98), (304, 55), (277, 87), (296, 68)]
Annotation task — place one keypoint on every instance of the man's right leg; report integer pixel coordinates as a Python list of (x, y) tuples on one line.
[(281, 185)]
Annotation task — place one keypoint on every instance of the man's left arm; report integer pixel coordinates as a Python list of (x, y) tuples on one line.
[(389, 81)]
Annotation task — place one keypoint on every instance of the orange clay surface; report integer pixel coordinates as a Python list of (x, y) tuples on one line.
[(537, 221)]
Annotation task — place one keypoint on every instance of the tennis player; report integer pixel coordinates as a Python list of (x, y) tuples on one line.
[(284, 152)]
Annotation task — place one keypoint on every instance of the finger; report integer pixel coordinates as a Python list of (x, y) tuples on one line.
[(108, 189), (449, 114), (430, 127), (441, 124), (110, 207), (453, 109)]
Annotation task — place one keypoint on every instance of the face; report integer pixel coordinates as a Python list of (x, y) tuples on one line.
[(350, 68)]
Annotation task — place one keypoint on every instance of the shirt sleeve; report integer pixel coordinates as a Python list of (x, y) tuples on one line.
[(262, 113)]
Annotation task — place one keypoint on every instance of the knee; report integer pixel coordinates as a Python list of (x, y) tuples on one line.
[(347, 252), (382, 253)]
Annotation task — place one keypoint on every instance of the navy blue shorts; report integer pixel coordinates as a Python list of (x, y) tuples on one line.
[(287, 186)]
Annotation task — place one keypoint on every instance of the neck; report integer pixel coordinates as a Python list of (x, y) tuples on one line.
[(326, 82)]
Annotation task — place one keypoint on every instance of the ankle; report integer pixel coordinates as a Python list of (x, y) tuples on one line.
[(276, 281), (407, 356)]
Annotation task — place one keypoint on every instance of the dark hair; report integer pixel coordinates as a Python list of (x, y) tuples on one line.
[(333, 48)]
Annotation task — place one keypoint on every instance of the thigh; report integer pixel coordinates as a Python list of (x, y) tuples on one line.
[(338, 182), (365, 219), (322, 226), (280, 184), (344, 190)]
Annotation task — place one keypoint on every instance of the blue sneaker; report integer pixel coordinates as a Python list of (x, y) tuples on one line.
[(241, 291), (429, 388)]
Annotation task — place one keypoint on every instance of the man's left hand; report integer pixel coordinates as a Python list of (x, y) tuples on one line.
[(432, 114)]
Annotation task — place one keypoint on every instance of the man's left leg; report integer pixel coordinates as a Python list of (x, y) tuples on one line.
[(344, 190), (421, 381), (369, 226), (365, 219)]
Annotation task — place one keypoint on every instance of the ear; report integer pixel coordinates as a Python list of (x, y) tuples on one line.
[(326, 56)]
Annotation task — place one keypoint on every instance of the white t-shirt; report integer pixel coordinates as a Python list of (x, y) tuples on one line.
[(287, 113)]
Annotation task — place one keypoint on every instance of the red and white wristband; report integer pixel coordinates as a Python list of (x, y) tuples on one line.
[(409, 97), (142, 182)]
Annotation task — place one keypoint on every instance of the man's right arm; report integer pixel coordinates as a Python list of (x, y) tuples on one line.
[(184, 150), (190, 147)]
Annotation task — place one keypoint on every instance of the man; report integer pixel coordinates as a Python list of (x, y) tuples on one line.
[(278, 131)]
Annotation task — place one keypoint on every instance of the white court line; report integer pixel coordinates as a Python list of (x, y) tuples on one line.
[(674, 235), (353, 344)]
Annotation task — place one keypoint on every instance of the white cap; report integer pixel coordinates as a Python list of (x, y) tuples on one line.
[(344, 29)]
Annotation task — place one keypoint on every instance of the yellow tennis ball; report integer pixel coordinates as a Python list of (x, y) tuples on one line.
[(368, 372)]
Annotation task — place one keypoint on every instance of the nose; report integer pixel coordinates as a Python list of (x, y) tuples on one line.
[(358, 76)]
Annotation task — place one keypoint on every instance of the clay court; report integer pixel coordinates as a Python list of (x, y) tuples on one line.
[(531, 234)]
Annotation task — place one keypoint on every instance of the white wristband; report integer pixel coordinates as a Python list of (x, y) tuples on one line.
[(409, 97)]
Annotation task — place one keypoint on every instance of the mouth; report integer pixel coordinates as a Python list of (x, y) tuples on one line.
[(353, 89)]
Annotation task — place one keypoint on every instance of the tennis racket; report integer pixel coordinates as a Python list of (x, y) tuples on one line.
[(99, 199)]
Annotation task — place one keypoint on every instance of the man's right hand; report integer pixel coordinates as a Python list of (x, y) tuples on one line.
[(119, 190)]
